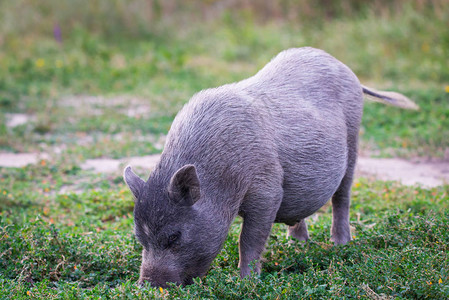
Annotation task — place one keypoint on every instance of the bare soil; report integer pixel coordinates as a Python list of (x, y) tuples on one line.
[(424, 173)]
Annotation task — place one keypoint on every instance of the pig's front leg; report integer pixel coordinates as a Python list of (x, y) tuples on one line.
[(258, 216)]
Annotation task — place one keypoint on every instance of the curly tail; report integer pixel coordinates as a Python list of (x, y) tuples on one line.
[(391, 98)]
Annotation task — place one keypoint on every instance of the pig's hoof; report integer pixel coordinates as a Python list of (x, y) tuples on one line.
[(299, 231), (250, 270), (141, 283), (343, 240), (300, 238), (249, 274)]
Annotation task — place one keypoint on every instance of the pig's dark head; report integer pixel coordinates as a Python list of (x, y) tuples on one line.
[(178, 241)]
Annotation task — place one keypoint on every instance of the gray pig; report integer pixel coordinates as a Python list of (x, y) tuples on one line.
[(271, 148)]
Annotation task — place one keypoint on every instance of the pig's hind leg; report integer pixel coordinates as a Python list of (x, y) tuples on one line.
[(340, 232), (299, 231)]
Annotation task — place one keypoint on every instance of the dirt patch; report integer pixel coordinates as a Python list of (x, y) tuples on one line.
[(147, 162), (107, 165), (96, 105), (14, 120), (18, 160), (101, 165), (426, 174)]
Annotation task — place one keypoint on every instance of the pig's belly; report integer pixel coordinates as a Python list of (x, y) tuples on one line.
[(310, 180)]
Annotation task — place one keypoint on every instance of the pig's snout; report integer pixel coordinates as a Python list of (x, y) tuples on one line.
[(159, 277)]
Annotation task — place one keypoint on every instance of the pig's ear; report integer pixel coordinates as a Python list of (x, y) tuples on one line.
[(184, 187), (134, 182)]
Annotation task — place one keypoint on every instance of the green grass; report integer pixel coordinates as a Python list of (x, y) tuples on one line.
[(112, 89), (80, 245)]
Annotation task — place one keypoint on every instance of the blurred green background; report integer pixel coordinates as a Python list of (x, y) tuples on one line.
[(162, 52)]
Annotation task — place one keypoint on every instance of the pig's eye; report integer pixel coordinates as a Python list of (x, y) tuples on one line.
[(173, 238)]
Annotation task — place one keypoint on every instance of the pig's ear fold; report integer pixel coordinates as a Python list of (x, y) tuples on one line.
[(184, 187), (134, 182)]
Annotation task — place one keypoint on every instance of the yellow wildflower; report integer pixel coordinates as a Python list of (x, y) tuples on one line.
[(440, 281), (40, 63), (58, 63), (28, 293), (161, 290), (446, 88)]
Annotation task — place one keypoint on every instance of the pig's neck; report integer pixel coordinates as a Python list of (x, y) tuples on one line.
[(220, 209)]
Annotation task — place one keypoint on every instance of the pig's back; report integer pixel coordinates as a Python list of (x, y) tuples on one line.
[(315, 103), (307, 77)]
